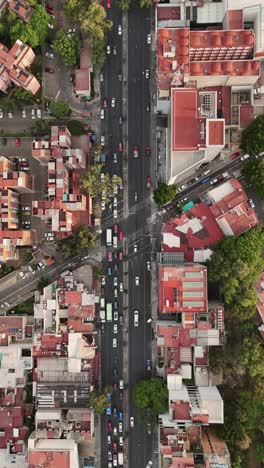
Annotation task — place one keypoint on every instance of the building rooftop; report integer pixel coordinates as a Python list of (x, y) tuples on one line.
[(52, 453), (192, 233), (182, 288)]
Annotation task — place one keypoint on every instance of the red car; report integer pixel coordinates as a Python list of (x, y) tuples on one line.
[(105, 102), (108, 3), (115, 386), (148, 181), (110, 256), (115, 445), (148, 151), (120, 255), (49, 9), (110, 425), (135, 151), (17, 141), (121, 235), (121, 395), (120, 147), (115, 228)]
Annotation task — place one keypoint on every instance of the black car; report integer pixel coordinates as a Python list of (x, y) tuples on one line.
[(3, 141), (115, 372)]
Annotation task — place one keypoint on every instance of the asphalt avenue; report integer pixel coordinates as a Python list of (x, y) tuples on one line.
[(128, 360)]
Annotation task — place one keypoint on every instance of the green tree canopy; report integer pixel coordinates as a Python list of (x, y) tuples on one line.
[(22, 98), (235, 264), (164, 193), (99, 400), (35, 31), (254, 173), (93, 21), (124, 4), (145, 3), (151, 394), (75, 127), (82, 240), (59, 109), (252, 141), (95, 186), (67, 47)]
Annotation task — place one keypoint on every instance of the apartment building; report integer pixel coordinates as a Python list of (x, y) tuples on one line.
[(66, 206), (14, 64), (16, 366), (225, 211)]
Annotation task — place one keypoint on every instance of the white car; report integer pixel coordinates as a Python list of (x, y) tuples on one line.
[(121, 442), (115, 316), (135, 248), (108, 49), (39, 113), (132, 421), (101, 77), (24, 114), (115, 281), (50, 55), (114, 50), (114, 343), (121, 287), (115, 329), (102, 205), (115, 214), (102, 113), (115, 428), (115, 202), (109, 441), (115, 460), (102, 140), (136, 318), (1, 114), (137, 280), (120, 427), (103, 280), (26, 208), (121, 384), (115, 157), (115, 292), (10, 115), (148, 266), (149, 38), (113, 102), (102, 176), (119, 30), (33, 115), (147, 74)]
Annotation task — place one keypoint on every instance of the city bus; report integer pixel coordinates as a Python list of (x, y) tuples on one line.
[(109, 237), (109, 312)]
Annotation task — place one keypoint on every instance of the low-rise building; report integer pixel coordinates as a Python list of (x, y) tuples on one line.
[(20, 7), (225, 211), (82, 75), (52, 452), (66, 206), (14, 64)]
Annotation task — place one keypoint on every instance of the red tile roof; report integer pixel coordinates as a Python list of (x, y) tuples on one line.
[(73, 297), (181, 410), (182, 288), (246, 115), (216, 134), (165, 12), (190, 235), (49, 459), (186, 124), (234, 19)]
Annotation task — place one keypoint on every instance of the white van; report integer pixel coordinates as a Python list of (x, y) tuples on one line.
[(102, 303), (115, 242)]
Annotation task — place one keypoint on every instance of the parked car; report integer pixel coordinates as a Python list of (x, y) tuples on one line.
[(147, 74), (105, 102), (108, 49), (136, 318), (119, 30), (149, 38), (1, 114), (17, 141), (50, 55)]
